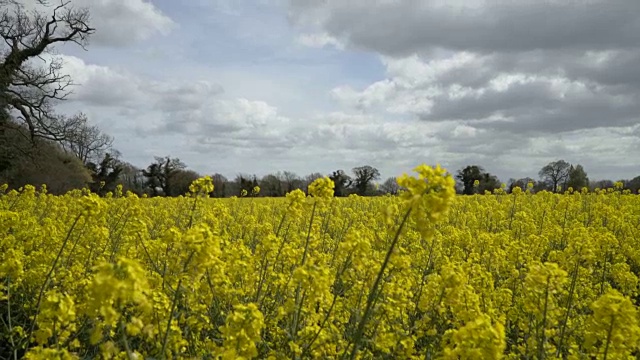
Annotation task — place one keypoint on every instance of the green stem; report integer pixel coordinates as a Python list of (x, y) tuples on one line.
[(294, 329), (48, 277), (193, 210), (374, 289), (306, 244), (280, 224), (609, 332), (173, 308), (13, 344), (563, 328), (322, 325), (341, 272), (174, 304), (124, 340), (543, 337)]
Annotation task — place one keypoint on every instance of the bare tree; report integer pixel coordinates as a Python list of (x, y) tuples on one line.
[(601, 184), (219, 185), (85, 141), (522, 183), (290, 181), (390, 186), (270, 185), (27, 88), (131, 178), (364, 175), (556, 173), (242, 183), (309, 179)]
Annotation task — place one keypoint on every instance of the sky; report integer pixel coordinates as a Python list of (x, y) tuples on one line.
[(260, 86)]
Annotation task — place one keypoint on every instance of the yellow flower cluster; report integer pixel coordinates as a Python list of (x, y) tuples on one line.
[(241, 332), (424, 274), (202, 185), (322, 188)]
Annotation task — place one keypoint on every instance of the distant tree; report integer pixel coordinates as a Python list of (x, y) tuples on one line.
[(363, 176), (309, 179), (131, 179), (390, 186), (290, 181), (633, 185), (59, 171), (39, 162), (159, 174), (105, 174), (601, 184), (469, 175), (489, 182), (541, 186), (29, 89), (86, 141), (245, 183), (341, 182), (271, 185), (577, 178), (522, 183), (219, 185), (555, 173), (180, 182)]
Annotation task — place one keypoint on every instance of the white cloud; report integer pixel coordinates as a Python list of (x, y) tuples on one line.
[(117, 22), (460, 83), (444, 89), (223, 119), (193, 120), (101, 85), (319, 40), (124, 22), (464, 131)]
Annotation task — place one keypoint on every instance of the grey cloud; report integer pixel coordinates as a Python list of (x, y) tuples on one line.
[(614, 68), (172, 97), (518, 99), (227, 123), (585, 115), (619, 69), (535, 107), (103, 86), (512, 94), (404, 27), (579, 59)]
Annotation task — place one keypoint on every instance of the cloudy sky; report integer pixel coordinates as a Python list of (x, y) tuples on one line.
[(258, 86)]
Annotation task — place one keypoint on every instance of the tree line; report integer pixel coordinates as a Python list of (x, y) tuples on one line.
[(92, 162), (556, 176), (39, 146)]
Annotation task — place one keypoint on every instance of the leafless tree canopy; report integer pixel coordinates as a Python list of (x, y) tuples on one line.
[(555, 173), (85, 141), (27, 88)]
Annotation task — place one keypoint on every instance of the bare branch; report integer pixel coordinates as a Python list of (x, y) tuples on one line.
[(87, 142), (27, 87)]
